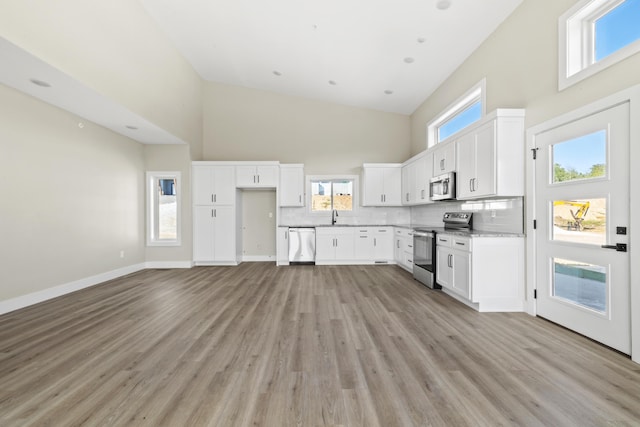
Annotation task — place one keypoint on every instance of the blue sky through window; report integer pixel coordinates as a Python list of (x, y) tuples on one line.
[(582, 153), (617, 29), (460, 121)]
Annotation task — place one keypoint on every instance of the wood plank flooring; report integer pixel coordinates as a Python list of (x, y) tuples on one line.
[(259, 345)]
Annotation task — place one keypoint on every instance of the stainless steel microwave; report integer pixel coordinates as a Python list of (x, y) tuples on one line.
[(443, 187)]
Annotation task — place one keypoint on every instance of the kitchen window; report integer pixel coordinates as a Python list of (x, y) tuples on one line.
[(329, 193), (595, 34), (465, 111), (163, 208)]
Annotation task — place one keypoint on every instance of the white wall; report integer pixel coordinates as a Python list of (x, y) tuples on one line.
[(520, 63), (249, 124), (115, 48), (71, 198), (258, 228)]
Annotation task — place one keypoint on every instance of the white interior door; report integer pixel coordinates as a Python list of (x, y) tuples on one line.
[(582, 214)]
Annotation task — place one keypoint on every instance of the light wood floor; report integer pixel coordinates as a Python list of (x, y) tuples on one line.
[(308, 346)]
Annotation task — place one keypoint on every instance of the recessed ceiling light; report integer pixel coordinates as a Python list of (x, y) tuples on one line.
[(80, 125), (40, 83), (332, 82), (277, 73), (421, 40), (388, 92), (409, 60), (443, 4)]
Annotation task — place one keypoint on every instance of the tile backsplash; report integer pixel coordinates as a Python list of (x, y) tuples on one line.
[(500, 215), (363, 215)]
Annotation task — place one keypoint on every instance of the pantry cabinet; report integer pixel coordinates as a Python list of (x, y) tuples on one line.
[(214, 214), (213, 185), (214, 236), (381, 184)]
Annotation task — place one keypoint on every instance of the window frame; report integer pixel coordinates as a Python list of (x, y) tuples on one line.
[(152, 207), (476, 93), (576, 42), (313, 178)]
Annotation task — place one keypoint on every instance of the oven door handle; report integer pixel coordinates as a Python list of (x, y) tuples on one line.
[(422, 234)]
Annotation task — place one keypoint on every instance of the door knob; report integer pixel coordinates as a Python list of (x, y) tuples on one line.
[(620, 247)]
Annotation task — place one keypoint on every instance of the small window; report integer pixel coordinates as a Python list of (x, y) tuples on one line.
[(330, 194), (467, 110), (163, 208), (594, 35)]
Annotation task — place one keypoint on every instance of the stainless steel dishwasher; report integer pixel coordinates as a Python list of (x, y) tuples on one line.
[(302, 245)]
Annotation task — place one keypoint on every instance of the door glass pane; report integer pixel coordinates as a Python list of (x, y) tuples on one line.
[(580, 283), (580, 221), (580, 158)]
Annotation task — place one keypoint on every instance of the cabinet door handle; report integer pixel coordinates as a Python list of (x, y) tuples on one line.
[(215, 198), (212, 215), (398, 244), (212, 198), (471, 185), (475, 186), (375, 242), (215, 213), (258, 179), (300, 198), (422, 194), (407, 197), (381, 198), (441, 164), (286, 235)]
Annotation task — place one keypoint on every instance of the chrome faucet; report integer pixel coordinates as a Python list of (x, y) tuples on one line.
[(334, 215)]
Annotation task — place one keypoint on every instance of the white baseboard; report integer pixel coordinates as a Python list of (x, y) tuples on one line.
[(36, 297), (258, 258), (168, 264)]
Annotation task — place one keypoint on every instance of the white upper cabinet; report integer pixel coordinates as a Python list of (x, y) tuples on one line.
[(416, 173), (257, 175), (382, 184), (444, 158), (291, 185), (213, 185), (491, 157)]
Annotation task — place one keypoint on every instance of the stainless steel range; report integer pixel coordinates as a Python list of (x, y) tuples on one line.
[(424, 257)]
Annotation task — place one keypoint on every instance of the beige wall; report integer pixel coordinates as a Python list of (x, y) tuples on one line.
[(174, 158), (71, 199), (115, 48), (249, 124), (258, 229), (520, 63)]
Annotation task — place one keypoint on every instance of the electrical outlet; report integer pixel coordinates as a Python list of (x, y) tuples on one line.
[(270, 214)]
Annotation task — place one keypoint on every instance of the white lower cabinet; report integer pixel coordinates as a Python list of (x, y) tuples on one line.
[(214, 235), (374, 244), (282, 243), (403, 248), (487, 273), (453, 264), (335, 245)]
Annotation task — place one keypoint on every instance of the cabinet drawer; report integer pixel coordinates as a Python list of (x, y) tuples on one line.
[(461, 243), (443, 240)]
